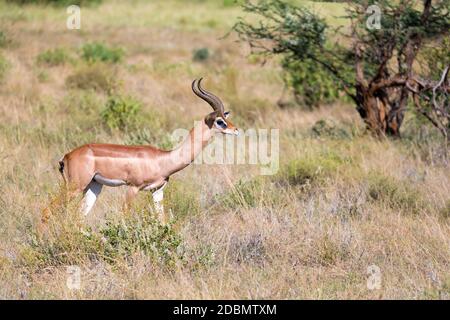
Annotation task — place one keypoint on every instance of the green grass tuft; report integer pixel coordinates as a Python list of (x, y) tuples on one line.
[(53, 57), (98, 52)]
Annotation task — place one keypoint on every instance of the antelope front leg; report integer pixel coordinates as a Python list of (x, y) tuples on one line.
[(158, 197)]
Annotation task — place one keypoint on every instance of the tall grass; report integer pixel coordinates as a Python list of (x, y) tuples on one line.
[(341, 201)]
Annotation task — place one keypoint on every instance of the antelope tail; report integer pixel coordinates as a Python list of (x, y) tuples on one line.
[(61, 169)]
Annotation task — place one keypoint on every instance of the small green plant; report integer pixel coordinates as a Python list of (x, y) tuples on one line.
[(97, 77), (95, 52), (201, 55), (141, 232), (4, 67), (53, 57), (121, 112)]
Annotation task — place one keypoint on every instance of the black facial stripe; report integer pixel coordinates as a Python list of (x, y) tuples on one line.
[(221, 123)]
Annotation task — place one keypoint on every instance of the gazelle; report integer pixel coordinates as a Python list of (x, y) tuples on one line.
[(88, 168)]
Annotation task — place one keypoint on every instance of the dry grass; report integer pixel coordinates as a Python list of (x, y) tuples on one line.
[(338, 204)]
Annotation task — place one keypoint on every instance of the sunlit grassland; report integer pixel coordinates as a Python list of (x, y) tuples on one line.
[(203, 16), (340, 202)]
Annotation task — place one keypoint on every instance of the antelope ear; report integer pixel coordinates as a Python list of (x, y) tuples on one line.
[(226, 114)]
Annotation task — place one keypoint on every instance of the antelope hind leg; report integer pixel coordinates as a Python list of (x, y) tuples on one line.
[(90, 196)]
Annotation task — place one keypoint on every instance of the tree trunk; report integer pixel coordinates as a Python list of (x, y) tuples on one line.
[(381, 117)]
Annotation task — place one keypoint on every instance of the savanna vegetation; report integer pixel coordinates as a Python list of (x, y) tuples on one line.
[(342, 201)]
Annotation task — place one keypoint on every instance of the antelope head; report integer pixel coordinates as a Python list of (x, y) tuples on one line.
[(218, 119)]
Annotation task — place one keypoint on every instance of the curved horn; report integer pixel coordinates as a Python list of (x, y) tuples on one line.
[(212, 100), (212, 96)]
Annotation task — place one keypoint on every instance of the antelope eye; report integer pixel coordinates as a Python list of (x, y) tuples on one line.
[(221, 123)]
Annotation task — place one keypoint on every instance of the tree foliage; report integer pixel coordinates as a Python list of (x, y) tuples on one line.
[(371, 65)]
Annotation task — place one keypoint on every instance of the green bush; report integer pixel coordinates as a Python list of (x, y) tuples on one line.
[(311, 84), (68, 242), (140, 232), (121, 112), (4, 67), (97, 77), (95, 51), (53, 57), (200, 55)]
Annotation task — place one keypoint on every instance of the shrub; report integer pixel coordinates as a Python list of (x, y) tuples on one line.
[(97, 77), (94, 52), (310, 83), (140, 232), (4, 67), (121, 112), (201, 55), (53, 57), (67, 242)]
